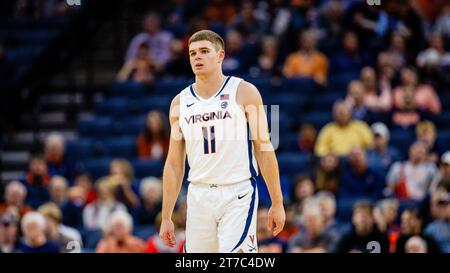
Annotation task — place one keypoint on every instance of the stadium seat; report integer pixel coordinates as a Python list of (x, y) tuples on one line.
[(290, 103), (144, 168), (124, 147), (115, 107), (79, 149), (143, 232), (129, 90), (325, 101), (300, 85), (291, 163), (317, 119), (171, 86), (144, 105), (97, 167), (98, 127), (264, 196)]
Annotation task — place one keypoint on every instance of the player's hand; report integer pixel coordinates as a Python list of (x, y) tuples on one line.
[(276, 220), (167, 233)]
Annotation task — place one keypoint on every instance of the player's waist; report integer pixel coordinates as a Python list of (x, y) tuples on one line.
[(221, 185)]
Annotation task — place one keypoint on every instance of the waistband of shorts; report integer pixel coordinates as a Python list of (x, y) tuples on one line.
[(209, 185)]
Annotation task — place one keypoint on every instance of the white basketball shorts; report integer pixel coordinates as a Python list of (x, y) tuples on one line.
[(222, 218)]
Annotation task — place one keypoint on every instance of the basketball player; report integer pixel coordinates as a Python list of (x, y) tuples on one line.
[(219, 122)]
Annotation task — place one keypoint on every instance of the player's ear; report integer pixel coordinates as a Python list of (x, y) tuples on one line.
[(221, 55)]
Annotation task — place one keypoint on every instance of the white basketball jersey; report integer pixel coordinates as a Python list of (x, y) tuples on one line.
[(218, 147)]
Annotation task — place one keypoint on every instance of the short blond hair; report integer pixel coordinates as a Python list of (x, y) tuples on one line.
[(52, 211), (208, 35)]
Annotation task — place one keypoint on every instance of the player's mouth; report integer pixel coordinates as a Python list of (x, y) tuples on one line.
[(198, 65)]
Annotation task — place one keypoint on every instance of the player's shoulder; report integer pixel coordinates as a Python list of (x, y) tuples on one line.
[(247, 92)]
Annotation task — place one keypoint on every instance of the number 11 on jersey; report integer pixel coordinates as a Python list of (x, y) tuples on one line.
[(209, 142)]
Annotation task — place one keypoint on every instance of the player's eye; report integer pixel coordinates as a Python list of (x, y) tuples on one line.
[(204, 51)]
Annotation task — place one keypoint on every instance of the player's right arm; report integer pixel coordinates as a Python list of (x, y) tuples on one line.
[(172, 175)]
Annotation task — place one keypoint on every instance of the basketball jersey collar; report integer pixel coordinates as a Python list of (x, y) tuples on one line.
[(213, 96)]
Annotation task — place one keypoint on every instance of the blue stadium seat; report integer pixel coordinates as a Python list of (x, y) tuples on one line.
[(317, 119), (143, 232), (124, 147), (144, 168), (300, 85), (290, 103), (97, 167), (129, 90), (98, 127), (443, 120), (91, 238), (292, 163), (324, 102), (134, 125), (402, 140), (340, 82), (289, 142), (264, 196), (116, 107), (144, 105), (171, 86), (79, 149)]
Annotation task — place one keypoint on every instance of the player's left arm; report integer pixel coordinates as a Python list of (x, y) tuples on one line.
[(249, 98)]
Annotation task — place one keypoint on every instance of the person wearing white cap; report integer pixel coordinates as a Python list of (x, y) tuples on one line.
[(382, 155), (442, 178)]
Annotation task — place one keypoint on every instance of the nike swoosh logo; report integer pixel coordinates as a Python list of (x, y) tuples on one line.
[(189, 105), (242, 196)]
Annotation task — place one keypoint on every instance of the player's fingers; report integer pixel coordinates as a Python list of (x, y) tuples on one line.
[(270, 223)]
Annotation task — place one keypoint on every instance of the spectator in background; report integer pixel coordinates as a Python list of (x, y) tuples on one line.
[(58, 190), (57, 162), (333, 228), (240, 54), (359, 180), (15, 195), (311, 237), (435, 55), (426, 133), (158, 42), (127, 189), (349, 59), (338, 137), (370, 22), (439, 229), (155, 244), (139, 69), (398, 52), (374, 100), (302, 189), (385, 215), (248, 23), (442, 24), (307, 138), (63, 236), (328, 173), (362, 232), (441, 180), (151, 195), (267, 243), (412, 225), (84, 180), (37, 179), (411, 179), (356, 100), (35, 241), (382, 155), (8, 233), (72, 210), (153, 141), (269, 62), (290, 227), (178, 64), (416, 244), (307, 61), (96, 214), (118, 236), (386, 70), (412, 99)]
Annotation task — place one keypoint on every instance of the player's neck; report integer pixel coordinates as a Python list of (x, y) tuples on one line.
[(207, 85)]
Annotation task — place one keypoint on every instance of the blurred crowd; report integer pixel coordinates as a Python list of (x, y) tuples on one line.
[(359, 189)]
